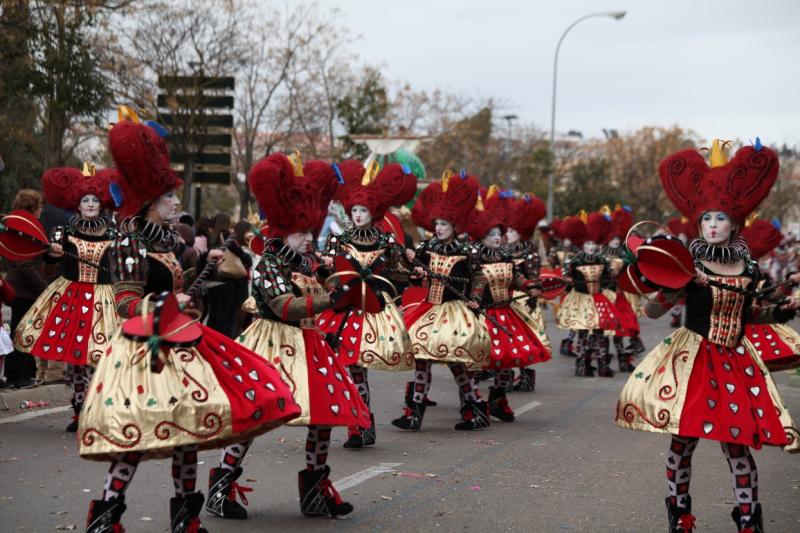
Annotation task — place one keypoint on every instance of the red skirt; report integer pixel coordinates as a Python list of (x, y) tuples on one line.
[(727, 400), (628, 321), (71, 321), (520, 349), (319, 382), (777, 345)]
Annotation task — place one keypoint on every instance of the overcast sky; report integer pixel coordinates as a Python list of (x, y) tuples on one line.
[(727, 69)]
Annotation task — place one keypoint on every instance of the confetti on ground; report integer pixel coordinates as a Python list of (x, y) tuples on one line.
[(475, 487), (386, 498)]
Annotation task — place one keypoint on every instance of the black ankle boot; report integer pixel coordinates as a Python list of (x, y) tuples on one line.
[(73, 426), (104, 516), (603, 370), (564, 348), (359, 437), (412, 416), (222, 491), (625, 360), (754, 525), (681, 519), (498, 405), (583, 366), (527, 380), (317, 495), (475, 415), (184, 512)]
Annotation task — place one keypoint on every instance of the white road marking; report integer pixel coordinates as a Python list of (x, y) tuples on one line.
[(360, 477), (527, 407), (34, 414)]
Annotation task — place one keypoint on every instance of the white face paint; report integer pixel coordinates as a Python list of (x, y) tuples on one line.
[(615, 242), (493, 238), (512, 236), (89, 207), (301, 242), (590, 247), (567, 243), (716, 227), (443, 229), (361, 216), (167, 206)]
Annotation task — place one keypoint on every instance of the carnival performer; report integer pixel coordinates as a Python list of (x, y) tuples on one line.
[(288, 295), (368, 330), (73, 320), (778, 345), (189, 398), (706, 380), (559, 253), (523, 217), (626, 304), (444, 327), (585, 309), (513, 332)]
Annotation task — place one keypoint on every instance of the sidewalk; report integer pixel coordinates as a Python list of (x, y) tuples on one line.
[(55, 395)]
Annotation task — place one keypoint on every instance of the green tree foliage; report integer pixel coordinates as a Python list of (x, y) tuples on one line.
[(589, 187), (362, 111)]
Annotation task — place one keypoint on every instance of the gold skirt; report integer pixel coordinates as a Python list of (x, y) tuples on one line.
[(213, 394), (373, 340), (586, 311), (731, 387), (71, 322), (319, 382), (448, 333)]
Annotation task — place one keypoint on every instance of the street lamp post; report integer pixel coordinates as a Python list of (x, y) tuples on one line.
[(617, 15)]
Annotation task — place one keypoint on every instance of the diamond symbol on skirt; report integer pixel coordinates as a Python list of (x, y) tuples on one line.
[(250, 394), (735, 431)]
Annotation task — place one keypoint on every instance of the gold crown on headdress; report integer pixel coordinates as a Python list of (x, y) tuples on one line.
[(370, 173), (719, 155), (297, 163), (446, 175), (88, 169)]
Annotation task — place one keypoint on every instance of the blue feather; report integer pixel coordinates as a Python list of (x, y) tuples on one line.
[(758, 145), (338, 172), (406, 169), (627, 208), (508, 193), (162, 132), (777, 224), (116, 193), (463, 174), (607, 217)]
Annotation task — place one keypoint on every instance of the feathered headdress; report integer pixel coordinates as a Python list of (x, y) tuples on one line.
[(142, 161), (451, 199), (735, 187), (64, 187), (762, 236), (490, 211), (374, 188), (525, 215), (293, 196)]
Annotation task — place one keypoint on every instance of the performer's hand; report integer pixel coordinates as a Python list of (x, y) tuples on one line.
[(419, 271), (327, 261), (795, 278), (183, 299), (472, 304), (792, 305), (56, 250), (700, 278), (534, 293), (217, 256), (410, 255)]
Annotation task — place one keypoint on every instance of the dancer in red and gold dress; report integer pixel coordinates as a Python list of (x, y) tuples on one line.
[(706, 380)]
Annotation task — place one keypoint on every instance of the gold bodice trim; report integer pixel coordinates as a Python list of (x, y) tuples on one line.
[(440, 264), (592, 275), (309, 286), (91, 251), (499, 277), (726, 311)]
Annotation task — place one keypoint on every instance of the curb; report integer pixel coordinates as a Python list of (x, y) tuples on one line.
[(794, 381), (56, 393)]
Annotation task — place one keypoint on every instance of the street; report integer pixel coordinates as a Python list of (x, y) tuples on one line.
[(562, 466)]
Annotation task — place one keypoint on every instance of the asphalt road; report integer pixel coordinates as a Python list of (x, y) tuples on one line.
[(562, 466)]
